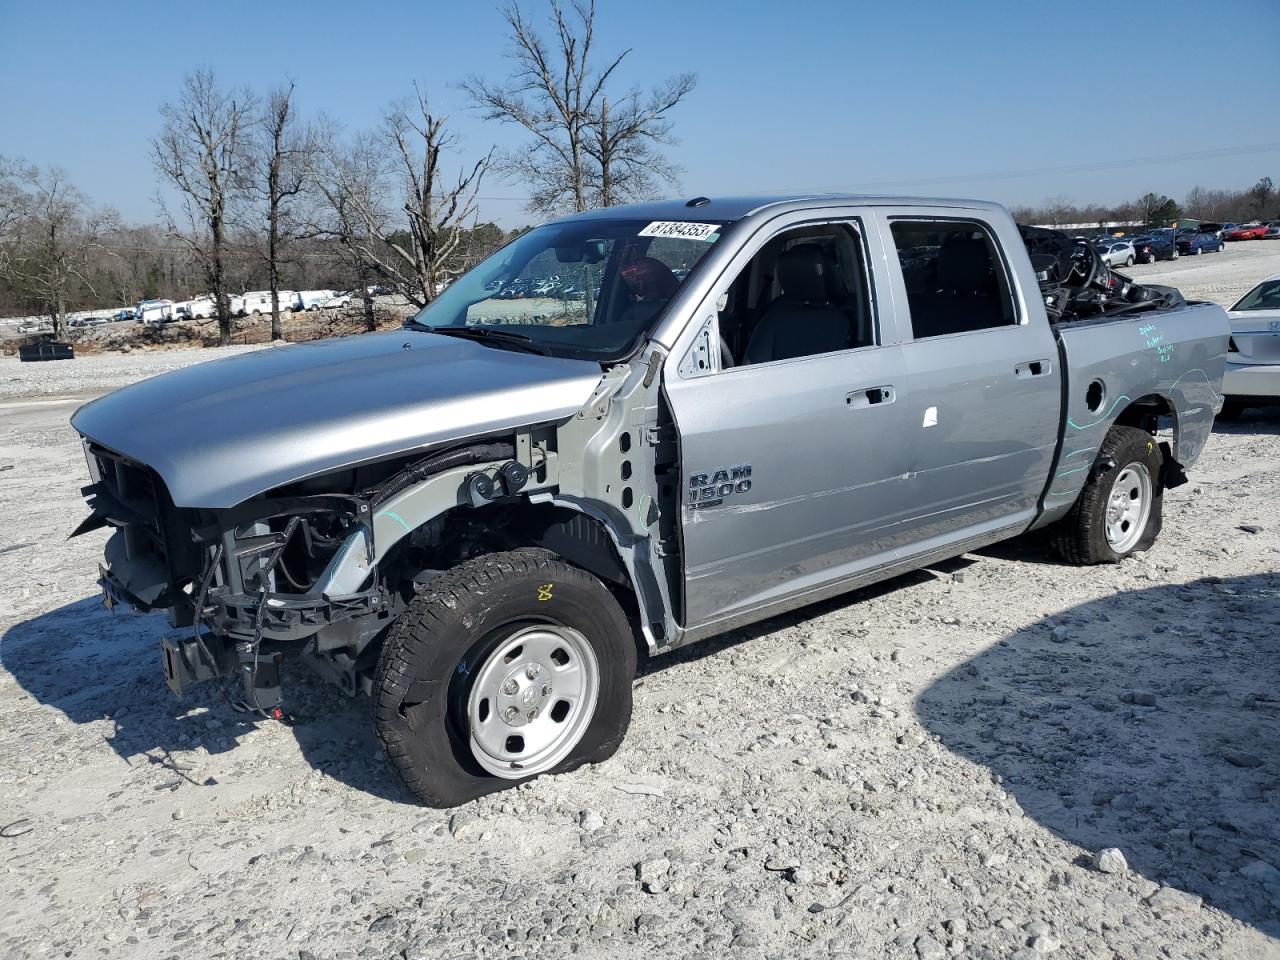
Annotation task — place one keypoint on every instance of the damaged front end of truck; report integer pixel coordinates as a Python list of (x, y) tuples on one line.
[(315, 570)]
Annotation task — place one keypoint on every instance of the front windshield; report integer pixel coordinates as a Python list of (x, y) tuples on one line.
[(1265, 296), (583, 288)]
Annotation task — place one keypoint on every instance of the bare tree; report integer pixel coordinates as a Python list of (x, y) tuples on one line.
[(200, 150), (585, 150), (624, 138), (1262, 196), (47, 230), (280, 158), (415, 243), (349, 205), (437, 212)]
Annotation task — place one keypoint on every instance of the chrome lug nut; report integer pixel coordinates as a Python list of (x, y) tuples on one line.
[(546, 689), (510, 688), (533, 714), (510, 714), (531, 671)]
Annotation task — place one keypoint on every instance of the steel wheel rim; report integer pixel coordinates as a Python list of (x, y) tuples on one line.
[(532, 700), (1128, 507)]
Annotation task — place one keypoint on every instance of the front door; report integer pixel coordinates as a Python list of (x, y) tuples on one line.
[(791, 445)]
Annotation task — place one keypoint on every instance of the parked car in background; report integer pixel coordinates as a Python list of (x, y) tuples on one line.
[(91, 321), (335, 301), (34, 326), (1273, 231), (1253, 352), (1214, 228), (1117, 253), (312, 299), (1149, 249), (1195, 242), (1247, 231), (154, 312), (123, 314)]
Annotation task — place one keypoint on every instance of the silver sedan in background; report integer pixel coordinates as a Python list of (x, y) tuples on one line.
[(1117, 253), (1253, 353)]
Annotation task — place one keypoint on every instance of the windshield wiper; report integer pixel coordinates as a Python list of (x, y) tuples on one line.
[(485, 333)]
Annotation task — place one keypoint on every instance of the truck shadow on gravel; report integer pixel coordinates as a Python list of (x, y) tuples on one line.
[(1253, 420), (1152, 724), (92, 665)]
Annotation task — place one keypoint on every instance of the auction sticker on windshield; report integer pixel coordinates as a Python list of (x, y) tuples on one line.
[(680, 228)]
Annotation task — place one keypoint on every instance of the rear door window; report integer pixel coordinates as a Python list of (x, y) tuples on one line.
[(954, 275)]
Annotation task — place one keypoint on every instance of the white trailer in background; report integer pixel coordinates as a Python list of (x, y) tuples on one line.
[(155, 311)]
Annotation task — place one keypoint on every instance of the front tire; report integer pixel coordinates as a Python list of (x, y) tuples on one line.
[(475, 688), (1119, 511)]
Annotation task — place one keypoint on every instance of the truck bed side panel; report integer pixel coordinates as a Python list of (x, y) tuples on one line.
[(1178, 355)]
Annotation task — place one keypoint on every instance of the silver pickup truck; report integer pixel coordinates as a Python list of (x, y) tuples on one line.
[(629, 430)]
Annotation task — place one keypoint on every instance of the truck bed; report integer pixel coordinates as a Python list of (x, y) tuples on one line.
[(1175, 353)]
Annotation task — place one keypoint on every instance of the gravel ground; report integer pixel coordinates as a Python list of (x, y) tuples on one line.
[(87, 376), (926, 769)]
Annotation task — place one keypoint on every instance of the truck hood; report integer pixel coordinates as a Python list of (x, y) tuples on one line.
[(223, 431)]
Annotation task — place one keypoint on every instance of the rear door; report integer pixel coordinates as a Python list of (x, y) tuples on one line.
[(791, 441), (983, 412)]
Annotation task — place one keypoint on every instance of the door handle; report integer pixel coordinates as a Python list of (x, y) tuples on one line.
[(1033, 368), (870, 397)]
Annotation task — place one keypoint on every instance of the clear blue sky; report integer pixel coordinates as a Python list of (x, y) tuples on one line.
[(921, 97)]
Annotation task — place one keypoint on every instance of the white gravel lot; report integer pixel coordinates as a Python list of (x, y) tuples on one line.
[(920, 770)]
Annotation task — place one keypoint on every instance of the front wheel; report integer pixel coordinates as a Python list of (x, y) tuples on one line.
[(1175, 255), (509, 666), (1119, 511)]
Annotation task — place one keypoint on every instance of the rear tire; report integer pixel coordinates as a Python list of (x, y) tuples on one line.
[(1119, 511), (431, 696), (1129, 261)]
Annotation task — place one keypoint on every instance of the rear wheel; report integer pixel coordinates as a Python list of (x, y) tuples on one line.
[(1119, 511), (509, 666), (1129, 260)]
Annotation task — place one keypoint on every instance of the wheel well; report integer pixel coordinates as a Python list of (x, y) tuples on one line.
[(1147, 412), (1157, 415), (465, 532)]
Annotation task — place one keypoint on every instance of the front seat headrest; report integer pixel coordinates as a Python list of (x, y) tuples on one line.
[(964, 264), (802, 273)]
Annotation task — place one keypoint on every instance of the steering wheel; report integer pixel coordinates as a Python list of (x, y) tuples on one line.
[(1086, 265)]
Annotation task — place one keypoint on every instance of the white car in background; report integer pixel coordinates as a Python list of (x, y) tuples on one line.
[(337, 300), (1253, 354), (313, 299)]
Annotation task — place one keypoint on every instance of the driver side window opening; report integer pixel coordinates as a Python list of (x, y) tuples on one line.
[(806, 292)]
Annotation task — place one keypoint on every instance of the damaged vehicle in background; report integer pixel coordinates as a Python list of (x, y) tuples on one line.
[(481, 521)]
